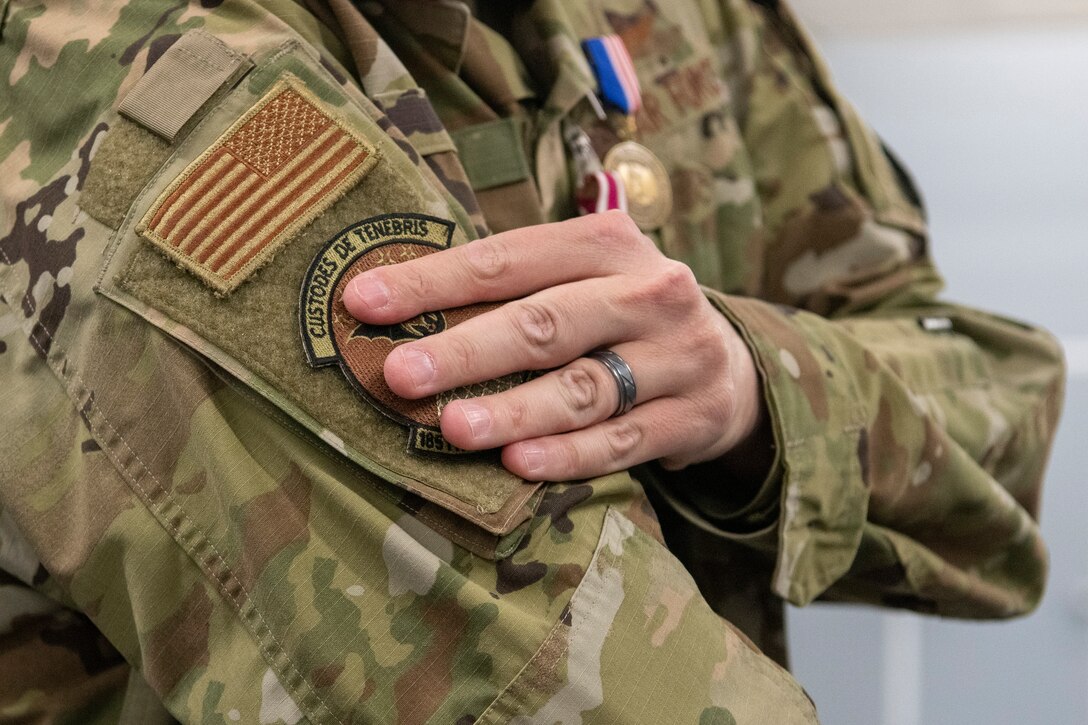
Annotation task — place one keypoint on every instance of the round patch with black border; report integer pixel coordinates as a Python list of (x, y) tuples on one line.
[(331, 335)]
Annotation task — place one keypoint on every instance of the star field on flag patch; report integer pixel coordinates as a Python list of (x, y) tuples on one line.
[(275, 169)]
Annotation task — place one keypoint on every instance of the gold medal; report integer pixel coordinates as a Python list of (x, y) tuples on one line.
[(649, 192)]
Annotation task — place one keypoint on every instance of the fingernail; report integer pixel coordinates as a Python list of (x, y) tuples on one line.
[(533, 455), (371, 292), (420, 365), (478, 417)]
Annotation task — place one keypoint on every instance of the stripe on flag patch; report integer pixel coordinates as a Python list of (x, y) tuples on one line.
[(616, 77), (275, 169)]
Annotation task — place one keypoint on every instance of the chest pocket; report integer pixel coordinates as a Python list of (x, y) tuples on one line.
[(239, 304)]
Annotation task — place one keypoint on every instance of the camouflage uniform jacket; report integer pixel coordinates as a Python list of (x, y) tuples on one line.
[(193, 517)]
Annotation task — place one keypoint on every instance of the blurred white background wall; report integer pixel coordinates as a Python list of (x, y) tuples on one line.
[(987, 102)]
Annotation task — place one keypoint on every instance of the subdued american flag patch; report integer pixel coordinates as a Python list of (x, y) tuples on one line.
[(275, 169)]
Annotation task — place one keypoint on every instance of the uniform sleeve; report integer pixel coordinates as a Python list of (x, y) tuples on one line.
[(911, 433)]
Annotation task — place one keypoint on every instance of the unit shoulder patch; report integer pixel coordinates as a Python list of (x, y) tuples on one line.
[(272, 172), (331, 335)]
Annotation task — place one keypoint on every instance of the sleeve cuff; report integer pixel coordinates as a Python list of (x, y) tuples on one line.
[(817, 416)]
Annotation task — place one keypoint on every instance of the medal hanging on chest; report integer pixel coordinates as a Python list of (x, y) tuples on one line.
[(599, 190), (631, 173)]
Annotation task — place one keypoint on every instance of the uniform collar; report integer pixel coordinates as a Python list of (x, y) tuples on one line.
[(546, 38), (442, 26), (574, 79)]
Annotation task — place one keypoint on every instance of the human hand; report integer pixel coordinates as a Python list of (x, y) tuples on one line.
[(575, 286)]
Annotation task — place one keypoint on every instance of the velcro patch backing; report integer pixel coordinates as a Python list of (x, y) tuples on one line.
[(275, 169)]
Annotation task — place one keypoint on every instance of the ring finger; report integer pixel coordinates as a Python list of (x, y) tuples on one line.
[(577, 395), (649, 431)]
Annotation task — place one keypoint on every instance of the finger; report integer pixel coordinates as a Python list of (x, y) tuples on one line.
[(652, 430), (579, 395), (502, 267), (538, 332)]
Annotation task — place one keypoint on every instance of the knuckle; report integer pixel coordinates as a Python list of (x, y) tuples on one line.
[(707, 351), (580, 389), (517, 415), (463, 352), (678, 281), (417, 284), (537, 324), (617, 228), (570, 461), (623, 438), (668, 287), (486, 260)]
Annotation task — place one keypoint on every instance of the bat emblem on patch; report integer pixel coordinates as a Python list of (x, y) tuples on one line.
[(429, 323)]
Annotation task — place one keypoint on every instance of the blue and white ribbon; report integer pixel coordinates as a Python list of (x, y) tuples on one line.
[(616, 77)]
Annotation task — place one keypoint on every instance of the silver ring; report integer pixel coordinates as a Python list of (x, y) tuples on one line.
[(621, 373)]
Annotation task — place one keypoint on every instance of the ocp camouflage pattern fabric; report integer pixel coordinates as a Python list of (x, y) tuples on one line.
[(197, 525)]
